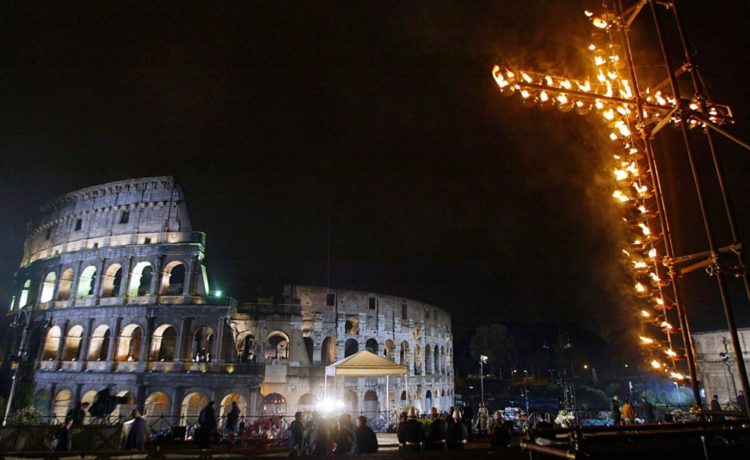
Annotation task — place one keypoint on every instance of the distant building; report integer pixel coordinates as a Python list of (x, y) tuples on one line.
[(116, 278), (718, 368)]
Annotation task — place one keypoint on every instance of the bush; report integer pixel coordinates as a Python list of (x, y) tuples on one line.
[(26, 416)]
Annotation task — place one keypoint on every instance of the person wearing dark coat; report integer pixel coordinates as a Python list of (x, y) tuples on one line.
[(78, 413), (233, 417), (136, 439), (648, 411), (316, 436), (614, 410), (437, 434), (741, 401), (716, 409), (207, 422), (367, 442), (413, 433), (402, 418), (467, 415), (346, 438), (459, 434), (501, 432), (296, 435), (63, 440)]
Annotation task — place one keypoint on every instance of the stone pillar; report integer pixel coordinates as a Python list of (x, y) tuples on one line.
[(180, 347), (77, 395), (156, 277), (188, 287), (61, 345), (51, 403), (140, 398), (176, 397), (125, 281), (58, 274), (143, 356), (217, 348), (83, 352), (114, 340), (74, 284), (98, 281)]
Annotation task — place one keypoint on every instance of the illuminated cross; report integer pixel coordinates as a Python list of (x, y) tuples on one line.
[(634, 116)]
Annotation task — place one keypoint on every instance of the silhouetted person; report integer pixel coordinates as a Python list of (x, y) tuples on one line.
[(501, 432), (614, 410), (742, 402), (207, 421), (402, 418), (296, 435), (346, 439), (716, 409), (78, 413), (413, 433), (63, 439), (437, 434), (648, 411), (316, 436), (459, 435), (233, 417), (467, 415), (367, 441), (136, 439)]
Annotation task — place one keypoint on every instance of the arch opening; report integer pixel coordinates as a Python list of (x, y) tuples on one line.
[(86, 281), (48, 287), (112, 281)]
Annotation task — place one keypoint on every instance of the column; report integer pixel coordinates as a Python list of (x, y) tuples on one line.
[(58, 274), (140, 398), (125, 281), (195, 270), (180, 348), (74, 284), (77, 395), (143, 357), (176, 397), (114, 340), (216, 352), (98, 281), (61, 345), (83, 352), (156, 277), (51, 403)]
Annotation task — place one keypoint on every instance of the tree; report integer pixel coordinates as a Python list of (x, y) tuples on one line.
[(495, 342)]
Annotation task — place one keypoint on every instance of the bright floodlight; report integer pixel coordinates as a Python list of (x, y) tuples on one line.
[(329, 405), (483, 358), (217, 293)]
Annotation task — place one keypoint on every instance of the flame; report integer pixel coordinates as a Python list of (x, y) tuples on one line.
[(671, 353), (645, 314), (677, 376), (654, 277), (620, 174), (656, 364), (644, 228), (639, 265), (625, 91), (660, 301), (640, 288), (565, 84), (620, 196), (592, 47), (501, 81), (562, 99), (652, 253), (598, 104), (585, 87), (623, 128), (526, 77), (525, 94), (543, 96), (549, 80), (588, 13), (599, 23), (646, 340), (666, 325), (609, 114)]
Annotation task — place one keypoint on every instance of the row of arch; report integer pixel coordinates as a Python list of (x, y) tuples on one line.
[(163, 344), (437, 360), (61, 287)]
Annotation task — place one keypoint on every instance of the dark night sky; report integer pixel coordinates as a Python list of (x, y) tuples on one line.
[(440, 189)]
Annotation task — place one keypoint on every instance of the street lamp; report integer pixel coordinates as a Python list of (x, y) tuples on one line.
[(482, 361)]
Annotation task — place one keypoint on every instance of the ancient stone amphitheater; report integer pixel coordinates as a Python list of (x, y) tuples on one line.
[(115, 277)]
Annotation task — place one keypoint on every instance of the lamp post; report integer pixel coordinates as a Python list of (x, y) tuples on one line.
[(24, 319), (482, 361)]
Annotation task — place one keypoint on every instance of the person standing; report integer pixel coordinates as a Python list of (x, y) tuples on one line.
[(716, 415), (233, 417), (742, 402), (467, 416), (78, 413), (648, 411), (628, 414), (346, 440), (484, 419), (500, 432), (459, 433), (614, 410), (63, 440), (413, 433), (367, 441), (437, 435), (316, 436), (207, 421), (296, 435), (136, 439)]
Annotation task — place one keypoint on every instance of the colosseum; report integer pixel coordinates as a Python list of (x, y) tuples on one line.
[(116, 281)]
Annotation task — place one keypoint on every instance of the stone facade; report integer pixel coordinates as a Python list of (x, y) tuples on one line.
[(116, 281), (718, 368)]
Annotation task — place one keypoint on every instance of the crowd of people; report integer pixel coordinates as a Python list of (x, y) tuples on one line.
[(319, 436)]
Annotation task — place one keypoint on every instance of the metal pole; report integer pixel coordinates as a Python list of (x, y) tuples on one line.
[(19, 364), (704, 212), (481, 377), (698, 92)]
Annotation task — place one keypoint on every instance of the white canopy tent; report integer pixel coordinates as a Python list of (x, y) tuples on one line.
[(367, 364)]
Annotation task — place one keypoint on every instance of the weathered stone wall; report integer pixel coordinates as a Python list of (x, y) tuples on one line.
[(717, 363), (124, 302)]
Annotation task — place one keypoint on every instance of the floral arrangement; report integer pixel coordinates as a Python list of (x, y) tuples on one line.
[(269, 429), (26, 416)]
